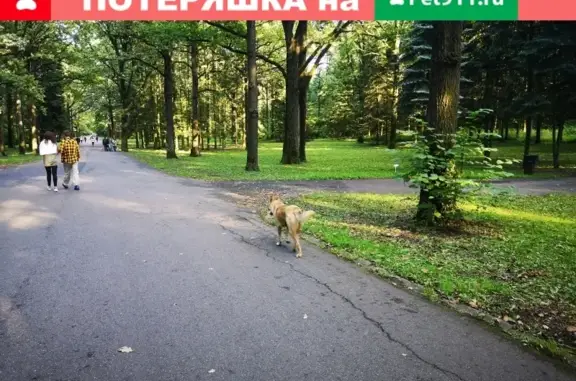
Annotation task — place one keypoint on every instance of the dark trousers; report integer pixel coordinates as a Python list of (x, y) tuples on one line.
[(52, 174)]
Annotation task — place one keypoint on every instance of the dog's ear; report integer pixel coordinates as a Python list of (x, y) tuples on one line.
[(273, 197)]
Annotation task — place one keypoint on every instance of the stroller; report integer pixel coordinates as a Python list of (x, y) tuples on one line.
[(109, 145)]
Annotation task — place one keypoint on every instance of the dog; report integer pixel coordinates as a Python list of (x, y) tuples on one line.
[(290, 217)]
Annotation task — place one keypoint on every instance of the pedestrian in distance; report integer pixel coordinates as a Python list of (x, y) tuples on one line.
[(70, 154), (48, 149)]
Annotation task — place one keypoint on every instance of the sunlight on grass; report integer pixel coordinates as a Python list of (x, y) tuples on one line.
[(516, 214), (514, 256), (327, 159), (335, 160)]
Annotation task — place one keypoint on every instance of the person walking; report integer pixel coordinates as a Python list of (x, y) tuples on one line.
[(70, 154), (49, 151)]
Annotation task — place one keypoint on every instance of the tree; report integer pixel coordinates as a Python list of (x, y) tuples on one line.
[(442, 117), (252, 109), (196, 137)]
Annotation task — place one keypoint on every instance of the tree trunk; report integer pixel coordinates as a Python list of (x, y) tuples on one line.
[(529, 90), (2, 148), (124, 131), (111, 121), (303, 85), (529, 122), (246, 113), (196, 136), (538, 126), (557, 131), (442, 111), (19, 120), (234, 119), (252, 129), (9, 117), (487, 102), (291, 146), (395, 87), (169, 105), (34, 138)]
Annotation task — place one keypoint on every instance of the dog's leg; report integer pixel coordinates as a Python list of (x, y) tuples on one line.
[(294, 236), (279, 242), (297, 245)]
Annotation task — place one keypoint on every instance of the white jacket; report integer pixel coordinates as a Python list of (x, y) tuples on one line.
[(48, 148)]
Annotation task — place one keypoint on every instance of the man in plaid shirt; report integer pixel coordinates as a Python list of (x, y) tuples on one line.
[(70, 154)]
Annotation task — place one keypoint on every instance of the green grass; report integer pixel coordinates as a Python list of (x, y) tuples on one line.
[(14, 158), (327, 159), (513, 257), (514, 149), (334, 160)]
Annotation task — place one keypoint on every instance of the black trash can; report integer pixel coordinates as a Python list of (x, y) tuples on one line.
[(529, 164)]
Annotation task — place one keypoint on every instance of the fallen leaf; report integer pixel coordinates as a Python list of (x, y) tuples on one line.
[(210, 268), (545, 326), (305, 316), (424, 270), (404, 354), (571, 329), (212, 371), (508, 319), (473, 303), (125, 350)]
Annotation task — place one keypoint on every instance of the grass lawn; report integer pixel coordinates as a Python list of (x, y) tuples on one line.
[(332, 160), (14, 158), (514, 149), (328, 159), (515, 257)]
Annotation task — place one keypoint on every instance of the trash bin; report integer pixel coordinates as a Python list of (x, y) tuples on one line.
[(529, 164)]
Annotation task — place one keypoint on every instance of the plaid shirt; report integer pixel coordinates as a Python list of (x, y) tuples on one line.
[(70, 151)]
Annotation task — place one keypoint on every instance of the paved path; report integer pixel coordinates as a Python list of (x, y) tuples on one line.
[(392, 186), (194, 284)]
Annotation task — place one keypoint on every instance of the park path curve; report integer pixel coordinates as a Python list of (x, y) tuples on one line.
[(390, 186), (196, 286)]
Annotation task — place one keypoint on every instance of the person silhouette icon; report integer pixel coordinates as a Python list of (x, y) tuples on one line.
[(29, 5)]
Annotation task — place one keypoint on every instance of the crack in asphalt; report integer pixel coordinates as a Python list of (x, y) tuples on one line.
[(374, 322)]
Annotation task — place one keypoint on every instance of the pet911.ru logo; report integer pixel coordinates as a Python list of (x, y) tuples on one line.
[(443, 3)]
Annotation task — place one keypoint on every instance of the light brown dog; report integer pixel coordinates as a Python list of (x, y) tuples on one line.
[(290, 217)]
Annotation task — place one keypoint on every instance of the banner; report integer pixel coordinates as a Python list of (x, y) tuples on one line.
[(365, 10)]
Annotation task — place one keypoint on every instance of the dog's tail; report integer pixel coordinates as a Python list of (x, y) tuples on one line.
[(304, 216)]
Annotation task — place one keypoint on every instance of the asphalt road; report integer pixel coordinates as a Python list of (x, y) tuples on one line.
[(200, 292)]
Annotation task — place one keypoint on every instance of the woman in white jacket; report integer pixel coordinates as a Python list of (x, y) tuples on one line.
[(49, 152)]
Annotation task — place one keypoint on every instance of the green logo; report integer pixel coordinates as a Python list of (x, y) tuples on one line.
[(428, 10)]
